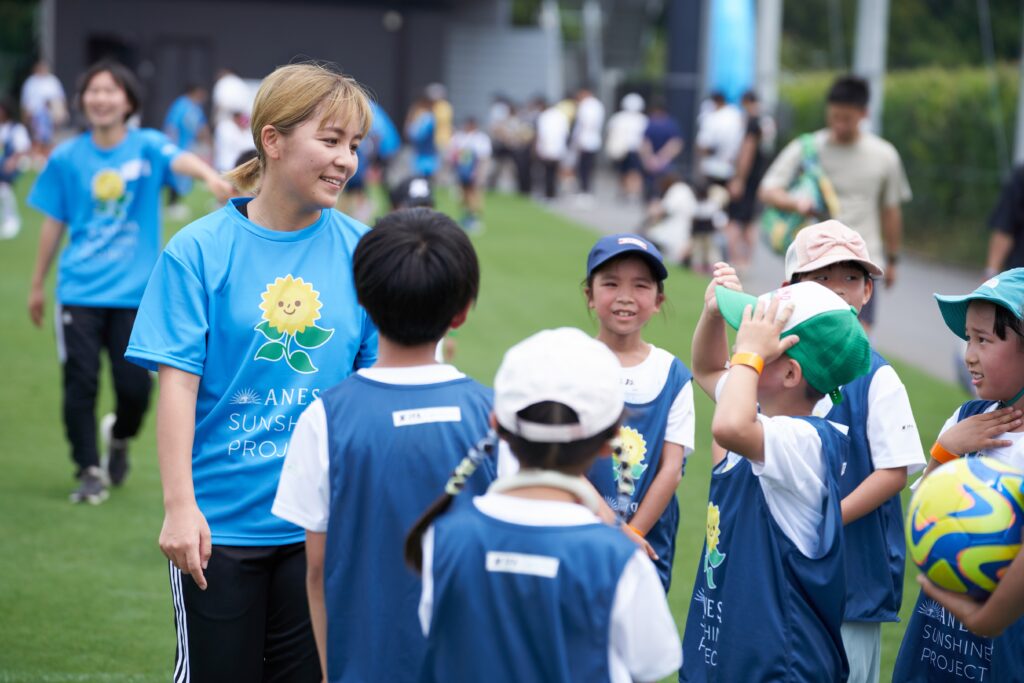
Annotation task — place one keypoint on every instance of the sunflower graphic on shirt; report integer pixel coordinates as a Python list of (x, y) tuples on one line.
[(109, 191), (291, 307), (713, 557), (628, 459)]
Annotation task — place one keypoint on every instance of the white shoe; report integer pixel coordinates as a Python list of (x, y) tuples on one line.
[(10, 228)]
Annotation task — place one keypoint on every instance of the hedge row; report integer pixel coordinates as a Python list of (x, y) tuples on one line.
[(946, 125)]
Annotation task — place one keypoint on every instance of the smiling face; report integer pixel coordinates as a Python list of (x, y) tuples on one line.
[(996, 365), (624, 295), (846, 279), (104, 102), (315, 160)]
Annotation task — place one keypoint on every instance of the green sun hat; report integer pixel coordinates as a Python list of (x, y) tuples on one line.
[(833, 349), (1005, 289)]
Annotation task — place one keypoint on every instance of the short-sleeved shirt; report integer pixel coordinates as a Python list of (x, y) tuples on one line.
[(643, 643), (661, 129), (1008, 218), (267, 319), (110, 201), (183, 121), (867, 175)]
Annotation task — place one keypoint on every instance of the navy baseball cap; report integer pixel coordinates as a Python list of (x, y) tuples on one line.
[(611, 246)]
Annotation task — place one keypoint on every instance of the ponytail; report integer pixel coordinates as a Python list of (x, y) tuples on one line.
[(246, 177), (463, 471)]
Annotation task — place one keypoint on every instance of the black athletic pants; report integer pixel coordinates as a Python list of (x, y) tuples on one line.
[(82, 332), (585, 170), (550, 178), (251, 624)]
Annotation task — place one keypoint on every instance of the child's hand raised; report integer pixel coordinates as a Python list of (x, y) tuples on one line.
[(760, 329), (725, 275), (979, 431)]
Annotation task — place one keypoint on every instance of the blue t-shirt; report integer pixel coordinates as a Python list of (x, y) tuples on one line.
[(268, 320), (110, 201), (391, 450), (183, 121)]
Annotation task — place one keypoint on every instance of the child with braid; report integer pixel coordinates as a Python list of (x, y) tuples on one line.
[(369, 455), (526, 583)]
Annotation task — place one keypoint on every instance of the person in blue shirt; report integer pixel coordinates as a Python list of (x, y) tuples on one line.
[(250, 313), (770, 589), (185, 124), (368, 457), (102, 188), (420, 125), (526, 583), (625, 286), (662, 144)]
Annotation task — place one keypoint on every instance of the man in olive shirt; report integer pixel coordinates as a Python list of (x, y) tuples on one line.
[(865, 171)]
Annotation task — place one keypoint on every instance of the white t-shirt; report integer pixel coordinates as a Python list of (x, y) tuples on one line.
[(721, 135), (40, 89), (230, 95), (643, 383), (304, 491), (15, 133), (891, 428), (229, 141), (552, 134), (477, 141), (625, 133), (792, 476), (1012, 455), (644, 642), (589, 122)]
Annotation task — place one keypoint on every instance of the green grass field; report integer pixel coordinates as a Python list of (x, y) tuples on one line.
[(83, 590)]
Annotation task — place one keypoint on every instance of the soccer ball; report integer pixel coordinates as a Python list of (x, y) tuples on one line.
[(964, 524)]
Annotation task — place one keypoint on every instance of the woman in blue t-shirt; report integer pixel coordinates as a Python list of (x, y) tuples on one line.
[(250, 313), (103, 189)]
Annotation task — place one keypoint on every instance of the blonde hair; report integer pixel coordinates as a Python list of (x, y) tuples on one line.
[(289, 97)]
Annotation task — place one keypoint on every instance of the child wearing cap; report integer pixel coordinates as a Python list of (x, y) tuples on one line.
[(936, 646), (624, 288), (768, 598), (367, 457), (884, 449), (526, 583)]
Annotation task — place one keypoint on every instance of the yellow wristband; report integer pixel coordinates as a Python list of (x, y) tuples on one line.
[(635, 530), (941, 455), (749, 359)]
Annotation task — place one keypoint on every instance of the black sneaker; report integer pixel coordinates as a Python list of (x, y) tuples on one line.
[(115, 451), (91, 487)]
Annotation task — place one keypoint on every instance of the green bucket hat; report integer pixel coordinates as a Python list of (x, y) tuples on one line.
[(1005, 289), (833, 349)]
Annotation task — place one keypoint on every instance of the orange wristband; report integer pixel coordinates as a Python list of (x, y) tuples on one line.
[(941, 455), (751, 360), (635, 530)]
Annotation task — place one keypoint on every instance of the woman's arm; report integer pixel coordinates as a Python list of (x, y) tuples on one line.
[(49, 239), (191, 165), (185, 536)]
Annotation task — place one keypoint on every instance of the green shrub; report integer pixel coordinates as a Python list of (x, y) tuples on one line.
[(945, 127)]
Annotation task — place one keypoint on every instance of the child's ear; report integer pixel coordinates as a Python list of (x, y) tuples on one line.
[(460, 318), (869, 289), (794, 374), (589, 293)]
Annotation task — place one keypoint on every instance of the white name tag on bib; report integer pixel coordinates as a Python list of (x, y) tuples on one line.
[(518, 563), (420, 416)]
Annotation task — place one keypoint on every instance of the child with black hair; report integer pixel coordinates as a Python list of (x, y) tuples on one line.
[(366, 458), (526, 583), (625, 287), (936, 645)]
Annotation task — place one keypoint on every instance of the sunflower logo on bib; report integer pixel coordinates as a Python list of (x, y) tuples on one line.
[(291, 308), (713, 558), (634, 448)]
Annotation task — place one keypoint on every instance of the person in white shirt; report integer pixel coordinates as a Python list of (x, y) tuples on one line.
[(586, 137), (719, 140), (14, 146), (231, 138), (623, 139), (551, 145), (43, 108)]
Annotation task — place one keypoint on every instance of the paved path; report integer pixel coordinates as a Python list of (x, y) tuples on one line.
[(908, 327)]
